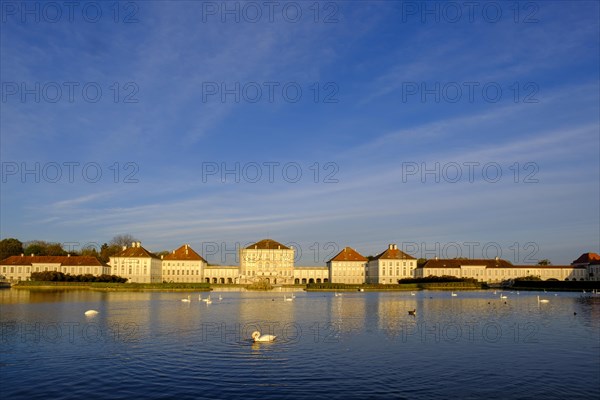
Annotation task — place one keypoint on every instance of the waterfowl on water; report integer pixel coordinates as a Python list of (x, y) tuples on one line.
[(257, 337)]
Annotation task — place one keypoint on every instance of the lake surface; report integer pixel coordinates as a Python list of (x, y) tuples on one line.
[(358, 345)]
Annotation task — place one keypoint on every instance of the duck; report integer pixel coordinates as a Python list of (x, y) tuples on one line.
[(91, 313), (412, 312), (186, 300), (257, 337)]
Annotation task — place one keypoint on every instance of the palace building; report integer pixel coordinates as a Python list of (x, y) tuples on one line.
[(390, 266), (272, 262), (348, 266), (137, 264), (183, 265), (498, 270), (269, 261), (19, 268)]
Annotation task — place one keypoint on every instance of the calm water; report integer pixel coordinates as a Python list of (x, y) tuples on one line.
[(359, 345)]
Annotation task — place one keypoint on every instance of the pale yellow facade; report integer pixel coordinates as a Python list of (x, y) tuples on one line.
[(273, 265), (182, 271), (20, 268), (391, 266), (141, 267), (349, 272), (498, 274)]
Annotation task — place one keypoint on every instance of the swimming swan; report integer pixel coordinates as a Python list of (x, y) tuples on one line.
[(262, 338), (91, 313), (186, 300)]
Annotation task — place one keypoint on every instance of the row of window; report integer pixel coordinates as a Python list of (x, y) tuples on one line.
[(391, 263), (176, 272), (69, 270)]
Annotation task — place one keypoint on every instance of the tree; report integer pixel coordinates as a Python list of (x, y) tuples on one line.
[(123, 240), (545, 261), (106, 251), (10, 247), (42, 248), (163, 253)]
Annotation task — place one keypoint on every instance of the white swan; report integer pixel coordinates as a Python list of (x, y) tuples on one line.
[(412, 293), (262, 338), (208, 300), (220, 298), (503, 296), (338, 294), (542, 300), (186, 300), (453, 294), (287, 298), (91, 313)]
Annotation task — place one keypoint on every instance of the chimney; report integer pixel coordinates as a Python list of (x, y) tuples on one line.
[(32, 254), (133, 244), (22, 254), (437, 258), (390, 246), (497, 258), (278, 247), (68, 254), (162, 256)]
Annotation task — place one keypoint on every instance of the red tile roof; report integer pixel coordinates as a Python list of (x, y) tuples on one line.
[(268, 244), (348, 254), (136, 252), (456, 263), (63, 260), (185, 252), (588, 258), (394, 254), (488, 263)]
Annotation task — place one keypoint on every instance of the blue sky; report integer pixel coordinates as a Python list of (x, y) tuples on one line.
[(389, 91)]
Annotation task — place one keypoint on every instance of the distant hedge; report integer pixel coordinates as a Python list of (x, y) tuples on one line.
[(556, 285), (443, 278), (55, 276)]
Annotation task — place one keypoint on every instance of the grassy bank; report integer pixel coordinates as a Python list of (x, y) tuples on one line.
[(340, 287), (566, 286)]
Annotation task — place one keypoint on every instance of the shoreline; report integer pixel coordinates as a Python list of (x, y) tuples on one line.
[(588, 286)]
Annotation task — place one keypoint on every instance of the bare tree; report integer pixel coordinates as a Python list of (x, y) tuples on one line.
[(123, 240)]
